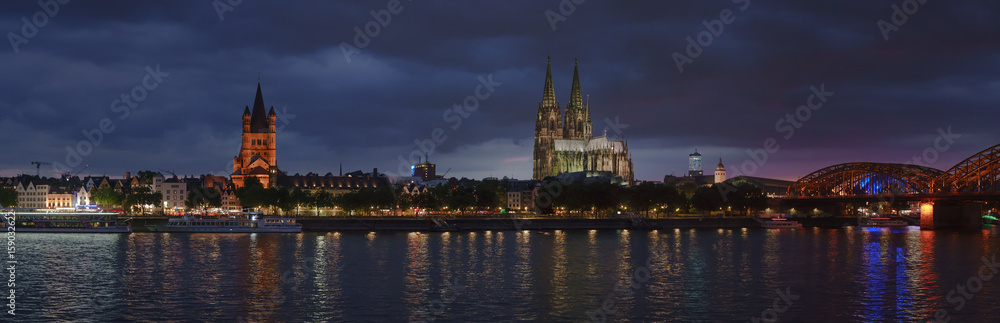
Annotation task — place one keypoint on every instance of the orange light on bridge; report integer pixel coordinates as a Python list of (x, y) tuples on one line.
[(927, 215)]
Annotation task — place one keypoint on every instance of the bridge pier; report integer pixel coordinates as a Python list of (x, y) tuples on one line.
[(950, 215)]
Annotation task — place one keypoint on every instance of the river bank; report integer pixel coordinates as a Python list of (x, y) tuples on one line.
[(483, 224)]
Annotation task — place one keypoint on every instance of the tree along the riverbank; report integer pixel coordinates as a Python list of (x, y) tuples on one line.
[(141, 198), (201, 197), (8, 197), (106, 197), (469, 196)]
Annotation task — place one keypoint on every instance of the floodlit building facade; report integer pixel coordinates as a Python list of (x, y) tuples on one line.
[(257, 156), (564, 142)]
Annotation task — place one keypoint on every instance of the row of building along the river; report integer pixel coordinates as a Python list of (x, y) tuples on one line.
[(595, 170)]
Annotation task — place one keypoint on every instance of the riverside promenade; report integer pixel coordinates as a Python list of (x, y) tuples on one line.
[(323, 224)]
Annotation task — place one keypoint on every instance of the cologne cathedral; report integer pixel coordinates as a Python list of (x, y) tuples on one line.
[(564, 143)]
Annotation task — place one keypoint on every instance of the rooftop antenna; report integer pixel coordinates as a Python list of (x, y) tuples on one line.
[(426, 160)]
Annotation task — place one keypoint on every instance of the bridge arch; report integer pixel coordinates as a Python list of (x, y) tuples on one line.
[(857, 179), (980, 173)]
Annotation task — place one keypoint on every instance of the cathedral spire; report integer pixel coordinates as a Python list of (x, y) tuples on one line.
[(575, 96), (549, 98)]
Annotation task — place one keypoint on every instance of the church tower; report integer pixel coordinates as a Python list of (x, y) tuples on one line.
[(257, 157), (720, 172), (577, 123), (548, 127)]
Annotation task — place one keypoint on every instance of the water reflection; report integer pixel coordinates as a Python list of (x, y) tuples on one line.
[(695, 275), (417, 282), (524, 281)]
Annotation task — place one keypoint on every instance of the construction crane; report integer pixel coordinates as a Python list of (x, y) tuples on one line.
[(168, 172), (38, 165), (445, 172)]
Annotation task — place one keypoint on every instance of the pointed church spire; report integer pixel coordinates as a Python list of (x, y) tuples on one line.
[(549, 98), (258, 120), (575, 96)]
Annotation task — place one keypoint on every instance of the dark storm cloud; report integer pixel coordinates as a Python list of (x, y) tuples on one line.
[(891, 96)]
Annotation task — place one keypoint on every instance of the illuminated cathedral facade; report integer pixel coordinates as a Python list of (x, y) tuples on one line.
[(257, 157), (564, 143)]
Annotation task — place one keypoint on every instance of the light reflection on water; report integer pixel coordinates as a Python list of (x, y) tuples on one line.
[(854, 274)]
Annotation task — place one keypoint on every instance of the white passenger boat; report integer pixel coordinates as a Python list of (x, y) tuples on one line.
[(69, 222), (882, 222), (780, 223), (254, 223)]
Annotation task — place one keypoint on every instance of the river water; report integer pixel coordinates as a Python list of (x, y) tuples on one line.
[(811, 275)]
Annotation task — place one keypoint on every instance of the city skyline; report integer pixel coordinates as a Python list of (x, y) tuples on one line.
[(195, 68)]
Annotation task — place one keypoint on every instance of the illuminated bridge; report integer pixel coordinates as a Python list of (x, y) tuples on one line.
[(956, 195)]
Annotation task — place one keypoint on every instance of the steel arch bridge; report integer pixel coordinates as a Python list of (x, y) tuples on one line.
[(865, 179), (979, 173)]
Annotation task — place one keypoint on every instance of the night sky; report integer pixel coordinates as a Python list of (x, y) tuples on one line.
[(937, 70)]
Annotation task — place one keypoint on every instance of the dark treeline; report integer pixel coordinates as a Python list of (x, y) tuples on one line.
[(648, 198), (464, 198)]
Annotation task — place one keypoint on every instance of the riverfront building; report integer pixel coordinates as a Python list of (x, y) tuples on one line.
[(257, 156), (564, 143)]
